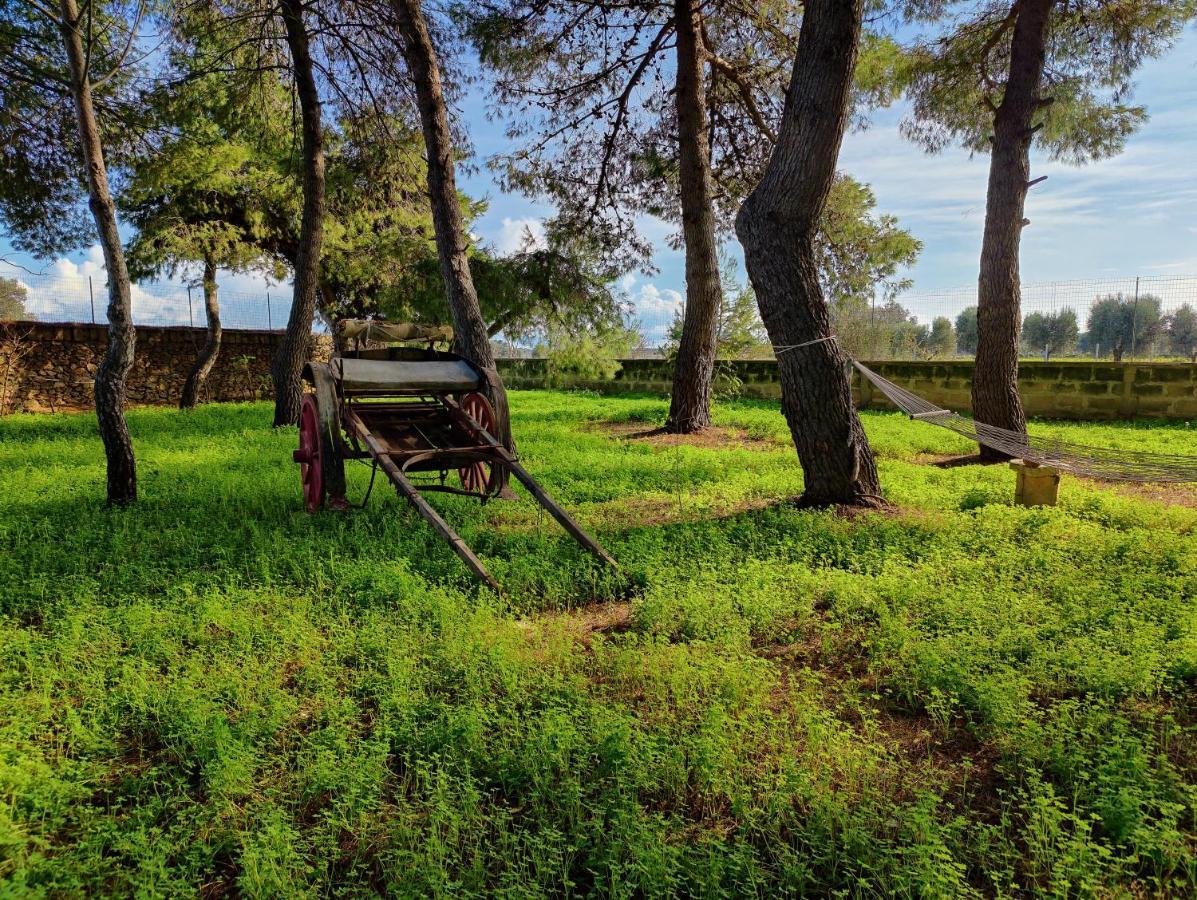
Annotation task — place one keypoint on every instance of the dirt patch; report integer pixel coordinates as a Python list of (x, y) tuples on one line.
[(947, 757), (639, 512), (1172, 494), (714, 438), (952, 460), (584, 623)]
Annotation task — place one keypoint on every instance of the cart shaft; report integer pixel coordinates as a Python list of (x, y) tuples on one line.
[(408, 490)]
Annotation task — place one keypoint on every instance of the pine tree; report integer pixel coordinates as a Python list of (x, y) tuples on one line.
[(777, 226), (1006, 75)]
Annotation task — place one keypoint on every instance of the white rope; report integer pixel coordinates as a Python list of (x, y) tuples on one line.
[(777, 351)]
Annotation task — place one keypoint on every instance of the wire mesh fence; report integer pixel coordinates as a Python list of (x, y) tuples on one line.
[(55, 297), (1148, 317)]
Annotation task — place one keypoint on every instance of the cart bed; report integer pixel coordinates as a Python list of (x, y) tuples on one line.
[(392, 376)]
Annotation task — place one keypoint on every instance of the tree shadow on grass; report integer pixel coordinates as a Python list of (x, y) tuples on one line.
[(958, 462)]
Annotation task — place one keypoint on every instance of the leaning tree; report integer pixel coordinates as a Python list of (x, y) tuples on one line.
[(252, 41), (1008, 75), (330, 56), (777, 225), (295, 347), (405, 22), (65, 93)]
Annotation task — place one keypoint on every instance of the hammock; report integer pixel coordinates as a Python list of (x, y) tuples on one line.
[(1079, 459)]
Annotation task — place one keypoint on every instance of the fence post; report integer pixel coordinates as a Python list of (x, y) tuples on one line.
[(91, 295), (1135, 319), (190, 314), (872, 329), (269, 323)]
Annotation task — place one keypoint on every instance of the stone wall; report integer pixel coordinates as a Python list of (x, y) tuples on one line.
[(1059, 390), (50, 367)]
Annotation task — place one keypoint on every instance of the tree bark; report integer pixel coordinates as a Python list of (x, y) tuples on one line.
[(211, 349), (777, 225), (118, 358), (690, 402), (470, 339), (999, 319), (293, 350)]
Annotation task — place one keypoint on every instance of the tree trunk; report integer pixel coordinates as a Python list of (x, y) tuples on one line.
[(777, 226), (211, 349), (118, 359), (471, 339), (999, 319), (293, 350), (690, 403)]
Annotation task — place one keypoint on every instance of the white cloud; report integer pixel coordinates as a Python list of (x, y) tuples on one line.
[(518, 233), (65, 290), (651, 299), (654, 307)]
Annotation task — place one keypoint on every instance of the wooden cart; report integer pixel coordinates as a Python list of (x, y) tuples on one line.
[(410, 409)]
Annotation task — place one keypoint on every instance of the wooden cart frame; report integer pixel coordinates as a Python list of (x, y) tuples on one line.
[(417, 419)]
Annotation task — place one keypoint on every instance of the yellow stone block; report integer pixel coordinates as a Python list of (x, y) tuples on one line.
[(1037, 485)]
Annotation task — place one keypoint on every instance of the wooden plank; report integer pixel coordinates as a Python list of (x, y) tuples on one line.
[(408, 490), (399, 376), (371, 330), (558, 513), (534, 488), (332, 447)]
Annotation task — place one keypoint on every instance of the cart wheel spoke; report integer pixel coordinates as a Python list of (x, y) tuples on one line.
[(311, 470), (479, 476)]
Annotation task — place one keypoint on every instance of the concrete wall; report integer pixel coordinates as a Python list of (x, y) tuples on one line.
[(50, 367), (1063, 390)]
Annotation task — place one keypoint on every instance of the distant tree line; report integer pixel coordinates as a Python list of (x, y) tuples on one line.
[(1118, 325)]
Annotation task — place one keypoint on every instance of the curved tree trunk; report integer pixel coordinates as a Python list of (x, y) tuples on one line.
[(999, 319), (690, 402), (118, 358), (777, 226), (293, 350), (211, 349), (471, 339)]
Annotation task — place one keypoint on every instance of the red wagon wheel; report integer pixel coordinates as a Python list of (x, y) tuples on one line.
[(479, 476), (309, 457)]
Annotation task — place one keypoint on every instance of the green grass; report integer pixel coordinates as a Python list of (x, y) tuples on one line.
[(213, 692)]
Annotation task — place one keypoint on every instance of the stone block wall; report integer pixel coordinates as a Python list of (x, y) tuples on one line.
[(1054, 390), (50, 367), (45, 367)]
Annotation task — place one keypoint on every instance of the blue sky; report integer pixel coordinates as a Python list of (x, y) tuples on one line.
[(1135, 214)]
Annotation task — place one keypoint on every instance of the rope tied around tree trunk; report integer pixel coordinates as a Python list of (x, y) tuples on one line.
[(785, 348)]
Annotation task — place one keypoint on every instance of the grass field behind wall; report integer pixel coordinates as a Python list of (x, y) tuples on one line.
[(216, 693)]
